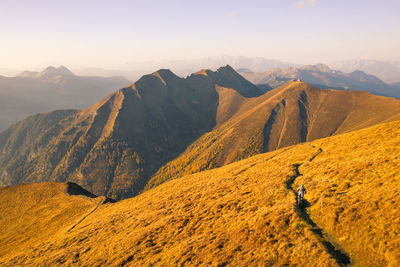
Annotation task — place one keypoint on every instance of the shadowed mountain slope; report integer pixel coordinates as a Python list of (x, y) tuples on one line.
[(322, 76), (294, 113), (241, 214), (113, 147)]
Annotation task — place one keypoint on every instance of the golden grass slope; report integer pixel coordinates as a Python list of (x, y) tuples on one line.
[(354, 191), (293, 113), (240, 214), (38, 212)]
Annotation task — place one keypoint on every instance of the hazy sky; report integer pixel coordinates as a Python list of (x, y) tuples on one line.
[(110, 33)]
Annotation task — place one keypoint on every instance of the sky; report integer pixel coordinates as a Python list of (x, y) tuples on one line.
[(111, 33)]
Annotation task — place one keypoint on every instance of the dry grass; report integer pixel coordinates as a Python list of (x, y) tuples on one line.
[(354, 187), (240, 214), (32, 213)]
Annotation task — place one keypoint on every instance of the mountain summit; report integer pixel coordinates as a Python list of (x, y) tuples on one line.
[(114, 146), (49, 72), (318, 68), (163, 126)]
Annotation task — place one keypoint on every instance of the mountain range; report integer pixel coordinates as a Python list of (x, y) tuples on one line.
[(112, 147), (388, 71), (164, 126), (322, 76), (53, 88)]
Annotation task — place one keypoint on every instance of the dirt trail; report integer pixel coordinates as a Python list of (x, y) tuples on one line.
[(331, 245), (102, 201)]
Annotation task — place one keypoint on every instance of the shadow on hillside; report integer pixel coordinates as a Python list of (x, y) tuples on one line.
[(74, 189)]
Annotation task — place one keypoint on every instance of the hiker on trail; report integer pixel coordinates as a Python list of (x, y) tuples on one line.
[(300, 193)]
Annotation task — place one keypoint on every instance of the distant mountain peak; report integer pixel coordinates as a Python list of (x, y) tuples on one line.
[(51, 71), (361, 75), (164, 73), (359, 72), (388, 71), (317, 67), (48, 72), (244, 70), (228, 77), (28, 74), (226, 68)]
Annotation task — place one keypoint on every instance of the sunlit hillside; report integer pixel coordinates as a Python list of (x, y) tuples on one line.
[(293, 113), (241, 214)]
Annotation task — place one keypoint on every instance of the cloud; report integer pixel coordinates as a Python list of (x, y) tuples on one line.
[(306, 3)]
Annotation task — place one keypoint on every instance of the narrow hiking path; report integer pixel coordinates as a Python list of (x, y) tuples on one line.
[(331, 245), (102, 201)]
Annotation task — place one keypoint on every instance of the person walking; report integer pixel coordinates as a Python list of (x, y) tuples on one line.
[(300, 194)]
